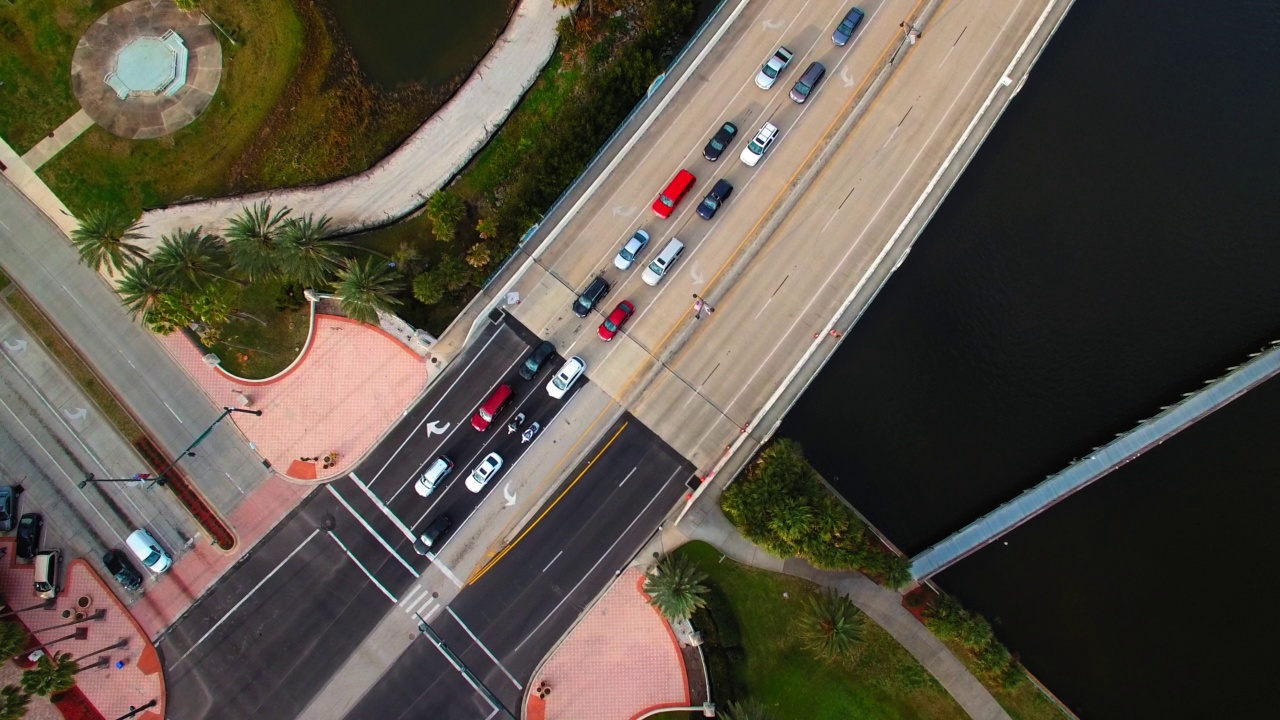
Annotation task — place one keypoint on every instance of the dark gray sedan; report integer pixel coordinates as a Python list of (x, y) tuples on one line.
[(720, 141), (845, 30)]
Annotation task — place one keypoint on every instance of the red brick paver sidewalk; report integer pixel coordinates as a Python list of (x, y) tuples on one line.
[(620, 661), (353, 383), (115, 638)]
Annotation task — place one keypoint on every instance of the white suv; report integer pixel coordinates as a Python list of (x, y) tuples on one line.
[(756, 149), (568, 375)]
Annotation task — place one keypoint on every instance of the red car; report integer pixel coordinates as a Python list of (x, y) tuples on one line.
[(613, 323), (675, 191)]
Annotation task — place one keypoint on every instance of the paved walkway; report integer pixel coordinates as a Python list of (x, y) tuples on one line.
[(71, 128), (707, 523), (620, 661), (353, 382), (403, 180), (114, 638)]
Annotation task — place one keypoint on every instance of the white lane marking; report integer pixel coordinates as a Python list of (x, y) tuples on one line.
[(435, 560), (172, 411), (73, 297), (785, 337), (249, 594), (126, 359), (428, 414), (374, 533), (408, 600), (426, 603), (466, 675), (574, 589), (491, 714), (71, 480), (628, 477), (378, 502), (485, 649), (414, 475), (553, 561), (364, 569)]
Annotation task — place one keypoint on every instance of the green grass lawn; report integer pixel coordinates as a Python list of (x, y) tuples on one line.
[(266, 337), (749, 610)]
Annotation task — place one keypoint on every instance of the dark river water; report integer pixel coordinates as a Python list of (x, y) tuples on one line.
[(431, 41), (1115, 243)]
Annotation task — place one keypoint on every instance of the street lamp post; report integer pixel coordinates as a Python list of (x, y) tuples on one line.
[(462, 669), (135, 710), (160, 477)]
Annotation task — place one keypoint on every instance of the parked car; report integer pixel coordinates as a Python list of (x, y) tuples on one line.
[(534, 362), (720, 141), (28, 536), (759, 145), (714, 199), (631, 250), (45, 574), (117, 563), (8, 507), (594, 293), (616, 319), (808, 82), (844, 31), (145, 547), (484, 472), (431, 537), (433, 476), (773, 67), (675, 191), (489, 410), (566, 377)]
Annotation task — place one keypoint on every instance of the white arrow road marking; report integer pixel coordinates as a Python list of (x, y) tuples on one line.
[(845, 77), (620, 211), (77, 414), (773, 24), (15, 346), (697, 277), (511, 498), (434, 428)]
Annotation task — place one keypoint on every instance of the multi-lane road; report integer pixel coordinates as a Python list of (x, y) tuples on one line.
[(284, 621)]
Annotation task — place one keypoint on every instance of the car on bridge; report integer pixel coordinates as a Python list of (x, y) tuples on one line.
[(434, 475), (675, 192), (720, 141), (629, 252), (773, 67), (431, 537), (489, 410), (759, 145), (595, 292), (844, 31), (484, 472), (566, 377), (612, 324), (808, 82), (532, 364), (714, 199)]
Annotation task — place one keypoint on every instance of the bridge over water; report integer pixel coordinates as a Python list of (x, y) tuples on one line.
[(1149, 433)]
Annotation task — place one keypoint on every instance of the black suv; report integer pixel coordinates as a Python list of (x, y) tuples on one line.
[(594, 293), (119, 566), (715, 199), (29, 528), (536, 359)]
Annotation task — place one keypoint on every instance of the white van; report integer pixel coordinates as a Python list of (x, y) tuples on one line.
[(430, 479), (46, 573), (661, 265)]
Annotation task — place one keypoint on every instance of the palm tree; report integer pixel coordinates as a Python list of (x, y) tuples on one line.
[(13, 702), (13, 639), (748, 710), (251, 240), (831, 625), (104, 238), (142, 288), (191, 259), (52, 674), (675, 587), (306, 254), (364, 289), (792, 519)]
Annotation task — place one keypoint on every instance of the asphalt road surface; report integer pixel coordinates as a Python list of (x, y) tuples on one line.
[(277, 627)]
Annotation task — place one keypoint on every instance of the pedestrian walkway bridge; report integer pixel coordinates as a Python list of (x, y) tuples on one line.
[(1128, 445)]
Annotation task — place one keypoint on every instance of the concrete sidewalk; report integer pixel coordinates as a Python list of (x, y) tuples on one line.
[(402, 181)]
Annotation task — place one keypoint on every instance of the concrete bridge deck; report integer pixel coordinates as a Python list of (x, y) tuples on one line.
[(1148, 434)]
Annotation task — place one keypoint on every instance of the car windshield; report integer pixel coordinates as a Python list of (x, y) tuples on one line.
[(667, 201), (715, 143), (43, 587), (770, 70), (710, 203), (562, 381), (626, 254), (755, 147), (153, 558), (487, 417)]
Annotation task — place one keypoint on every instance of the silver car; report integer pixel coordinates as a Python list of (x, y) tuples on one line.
[(631, 250)]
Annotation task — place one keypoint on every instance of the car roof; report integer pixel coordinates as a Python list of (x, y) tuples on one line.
[(721, 185)]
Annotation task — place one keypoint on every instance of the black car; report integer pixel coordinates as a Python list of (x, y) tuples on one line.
[(431, 537), (119, 566), (714, 199), (8, 507), (594, 293), (720, 141), (536, 359), (29, 528)]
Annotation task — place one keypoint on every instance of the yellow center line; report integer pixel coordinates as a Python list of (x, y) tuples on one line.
[(480, 573)]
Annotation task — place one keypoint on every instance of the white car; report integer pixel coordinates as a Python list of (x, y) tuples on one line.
[(631, 250), (568, 375), (773, 67), (145, 548), (484, 472), (756, 149)]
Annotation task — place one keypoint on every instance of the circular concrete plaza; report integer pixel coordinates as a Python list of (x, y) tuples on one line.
[(146, 68)]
